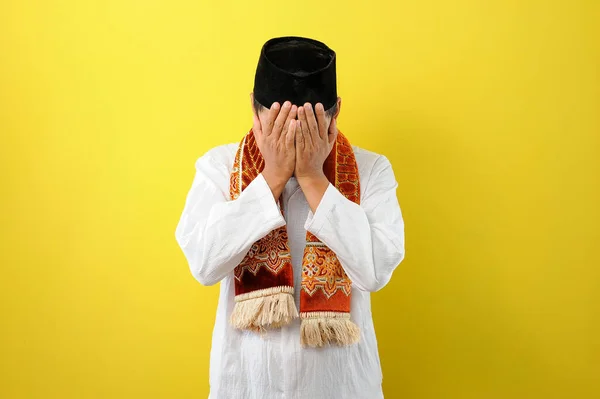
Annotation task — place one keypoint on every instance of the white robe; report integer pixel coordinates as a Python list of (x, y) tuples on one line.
[(215, 233)]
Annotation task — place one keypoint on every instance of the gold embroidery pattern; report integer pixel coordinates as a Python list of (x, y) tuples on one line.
[(271, 251), (322, 271)]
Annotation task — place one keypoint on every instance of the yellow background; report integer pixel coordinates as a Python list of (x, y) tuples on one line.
[(488, 110)]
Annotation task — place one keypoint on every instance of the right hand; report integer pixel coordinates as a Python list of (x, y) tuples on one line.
[(275, 138)]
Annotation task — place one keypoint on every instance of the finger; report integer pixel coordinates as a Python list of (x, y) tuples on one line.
[(273, 112), (321, 121), (300, 137), (313, 127), (280, 121), (290, 136), (291, 115), (299, 134), (304, 124)]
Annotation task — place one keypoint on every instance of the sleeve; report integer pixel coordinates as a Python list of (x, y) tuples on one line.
[(215, 232), (368, 239)]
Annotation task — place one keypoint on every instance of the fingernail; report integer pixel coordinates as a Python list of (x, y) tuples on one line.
[(275, 104)]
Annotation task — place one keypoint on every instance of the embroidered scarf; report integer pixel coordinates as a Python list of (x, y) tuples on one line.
[(264, 286)]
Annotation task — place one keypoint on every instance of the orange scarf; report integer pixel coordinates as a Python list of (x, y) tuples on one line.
[(264, 286)]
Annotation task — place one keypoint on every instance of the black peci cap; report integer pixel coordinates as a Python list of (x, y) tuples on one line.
[(297, 69)]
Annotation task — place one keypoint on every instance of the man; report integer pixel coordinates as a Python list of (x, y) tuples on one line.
[(299, 227)]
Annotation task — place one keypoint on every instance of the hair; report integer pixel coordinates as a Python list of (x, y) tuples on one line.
[(328, 112)]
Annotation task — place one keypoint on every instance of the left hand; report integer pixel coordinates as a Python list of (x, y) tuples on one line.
[(314, 141)]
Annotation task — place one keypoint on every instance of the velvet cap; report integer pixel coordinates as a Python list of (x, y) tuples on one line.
[(297, 69)]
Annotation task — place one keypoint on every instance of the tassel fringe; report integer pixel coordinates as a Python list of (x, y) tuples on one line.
[(268, 308), (318, 329)]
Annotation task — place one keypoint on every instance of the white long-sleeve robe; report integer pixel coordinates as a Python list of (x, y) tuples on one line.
[(215, 233)]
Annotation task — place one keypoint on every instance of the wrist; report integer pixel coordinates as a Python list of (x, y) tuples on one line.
[(313, 180), (274, 177), (275, 181), (314, 187)]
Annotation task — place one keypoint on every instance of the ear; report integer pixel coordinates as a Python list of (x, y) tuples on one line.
[(252, 104), (339, 107), (333, 133), (255, 119)]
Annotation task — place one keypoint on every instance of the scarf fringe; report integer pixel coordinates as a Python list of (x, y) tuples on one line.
[(320, 329), (268, 308)]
